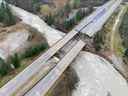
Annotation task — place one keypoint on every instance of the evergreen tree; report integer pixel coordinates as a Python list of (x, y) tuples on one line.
[(79, 15), (15, 60), (49, 19), (6, 16), (4, 68), (36, 5), (126, 53), (67, 9)]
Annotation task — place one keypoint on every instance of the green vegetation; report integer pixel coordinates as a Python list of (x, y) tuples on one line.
[(124, 30), (67, 8), (12, 73), (4, 68), (15, 60), (6, 16), (109, 39), (34, 50), (19, 61), (126, 53), (99, 40), (72, 22), (36, 5), (60, 18), (69, 24), (80, 15), (50, 19), (76, 3)]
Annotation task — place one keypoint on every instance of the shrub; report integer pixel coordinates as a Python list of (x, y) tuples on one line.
[(126, 53), (80, 15), (36, 5), (6, 17), (69, 24), (67, 9), (15, 60), (4, 68), (32, 51), (123, 30), (99, 40), (49, 19), (66, 25)]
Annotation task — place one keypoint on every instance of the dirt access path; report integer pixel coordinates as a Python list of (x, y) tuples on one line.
[(115, 31)]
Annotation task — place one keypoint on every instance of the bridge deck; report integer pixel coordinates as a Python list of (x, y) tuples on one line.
[(46, 83), (31, 71)]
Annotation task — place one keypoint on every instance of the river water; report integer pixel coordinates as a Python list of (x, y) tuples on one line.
[(97, 77)]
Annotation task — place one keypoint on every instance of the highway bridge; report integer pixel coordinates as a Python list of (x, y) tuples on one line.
[(38, 78)]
